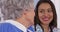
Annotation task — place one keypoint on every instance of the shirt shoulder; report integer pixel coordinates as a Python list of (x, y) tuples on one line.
[(7, 27), (38, 28)]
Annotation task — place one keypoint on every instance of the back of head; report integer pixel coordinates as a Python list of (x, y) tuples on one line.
[(12, 9)]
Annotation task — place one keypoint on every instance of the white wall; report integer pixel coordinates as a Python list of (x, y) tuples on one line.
[(57, 5), (58, 11)]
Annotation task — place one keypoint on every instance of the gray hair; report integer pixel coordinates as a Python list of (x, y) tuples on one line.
[(13, 9)]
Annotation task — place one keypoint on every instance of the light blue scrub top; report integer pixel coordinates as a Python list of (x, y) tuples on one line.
[(39, 29)]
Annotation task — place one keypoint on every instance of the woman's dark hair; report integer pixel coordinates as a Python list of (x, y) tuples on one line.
[(54, 21)]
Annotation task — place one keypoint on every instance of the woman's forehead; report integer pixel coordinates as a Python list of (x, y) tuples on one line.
[(44, 6)]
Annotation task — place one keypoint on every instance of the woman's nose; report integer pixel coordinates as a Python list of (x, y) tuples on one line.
[(46, 13)]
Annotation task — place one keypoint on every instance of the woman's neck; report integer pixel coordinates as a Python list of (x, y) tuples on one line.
[(45, 27)]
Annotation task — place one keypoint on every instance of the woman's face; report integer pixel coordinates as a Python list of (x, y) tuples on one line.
[(45, 13)]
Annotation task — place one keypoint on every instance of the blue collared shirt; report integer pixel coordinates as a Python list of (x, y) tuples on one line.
[(12, 26), (7, 27)]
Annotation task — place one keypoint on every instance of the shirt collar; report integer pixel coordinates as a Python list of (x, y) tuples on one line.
[(17, 24)]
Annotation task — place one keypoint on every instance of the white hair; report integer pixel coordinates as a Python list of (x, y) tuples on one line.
[(12, 9)]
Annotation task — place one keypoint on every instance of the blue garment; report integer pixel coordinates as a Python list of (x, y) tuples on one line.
[(14, 26), (7, 27), (30, 29)]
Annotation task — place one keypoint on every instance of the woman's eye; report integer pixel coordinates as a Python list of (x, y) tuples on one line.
[(49, 10), (41, 11)]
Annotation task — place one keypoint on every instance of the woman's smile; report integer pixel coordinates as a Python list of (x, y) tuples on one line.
[(45, 18)]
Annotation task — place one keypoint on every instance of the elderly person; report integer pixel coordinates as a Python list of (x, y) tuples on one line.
[(18, 15)]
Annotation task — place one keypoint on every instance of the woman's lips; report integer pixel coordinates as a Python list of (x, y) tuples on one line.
[(45, 19)]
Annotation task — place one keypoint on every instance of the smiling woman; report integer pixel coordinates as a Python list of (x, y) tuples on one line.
[(45, 16)]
